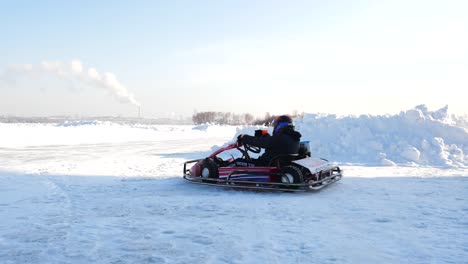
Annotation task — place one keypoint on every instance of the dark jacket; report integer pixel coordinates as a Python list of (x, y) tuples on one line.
[(286, 141)]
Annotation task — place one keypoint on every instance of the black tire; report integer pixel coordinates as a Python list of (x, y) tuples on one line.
[(291, 174), (209, 169)]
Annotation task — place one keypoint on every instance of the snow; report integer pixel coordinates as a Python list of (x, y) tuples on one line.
[(416, 136), (92, 191)]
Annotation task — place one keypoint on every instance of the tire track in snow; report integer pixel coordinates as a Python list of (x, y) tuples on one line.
[(44, 226)]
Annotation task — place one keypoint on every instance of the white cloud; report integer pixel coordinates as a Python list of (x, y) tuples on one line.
[(76, 66)]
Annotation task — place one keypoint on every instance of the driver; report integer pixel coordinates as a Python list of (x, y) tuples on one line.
[(285, 140)]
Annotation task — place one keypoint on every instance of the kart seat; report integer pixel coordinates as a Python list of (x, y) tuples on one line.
[(283, 159)]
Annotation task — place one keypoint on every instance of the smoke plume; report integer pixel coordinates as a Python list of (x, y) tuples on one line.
[(75, 71)]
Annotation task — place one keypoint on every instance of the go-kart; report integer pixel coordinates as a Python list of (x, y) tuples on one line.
[(293, 172)]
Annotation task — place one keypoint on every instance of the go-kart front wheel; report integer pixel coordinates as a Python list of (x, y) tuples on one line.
[(209, 169), (291, 174)]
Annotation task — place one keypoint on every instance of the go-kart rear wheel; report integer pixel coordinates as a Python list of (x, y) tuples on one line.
[(291, 174), (209, 169)]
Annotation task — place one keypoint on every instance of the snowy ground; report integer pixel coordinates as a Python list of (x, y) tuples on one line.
[(116, 199)]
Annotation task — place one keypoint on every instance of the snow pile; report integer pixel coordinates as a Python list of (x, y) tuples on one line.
[(14, 135), (79, 123), (414, 137)]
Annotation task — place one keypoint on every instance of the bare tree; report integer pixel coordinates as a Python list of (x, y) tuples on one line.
[(248, 118), (229, 118)]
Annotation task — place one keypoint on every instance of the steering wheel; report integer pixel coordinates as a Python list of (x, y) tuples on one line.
[(252, 149), (247, 148)]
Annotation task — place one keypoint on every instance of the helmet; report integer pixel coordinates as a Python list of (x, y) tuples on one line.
[(280, 122)]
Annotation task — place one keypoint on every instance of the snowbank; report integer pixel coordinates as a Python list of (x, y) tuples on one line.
[(414, 137), (14, 135)]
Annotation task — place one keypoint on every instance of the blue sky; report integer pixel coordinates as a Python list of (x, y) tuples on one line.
[(177, 57)]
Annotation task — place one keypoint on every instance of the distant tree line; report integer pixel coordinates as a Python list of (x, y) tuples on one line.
[(228, 118)]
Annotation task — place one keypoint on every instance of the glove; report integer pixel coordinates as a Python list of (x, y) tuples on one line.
[(261, 132), (239, 139)]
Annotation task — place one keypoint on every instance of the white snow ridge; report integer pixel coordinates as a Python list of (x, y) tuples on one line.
[(416, 136), (101, 192)]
